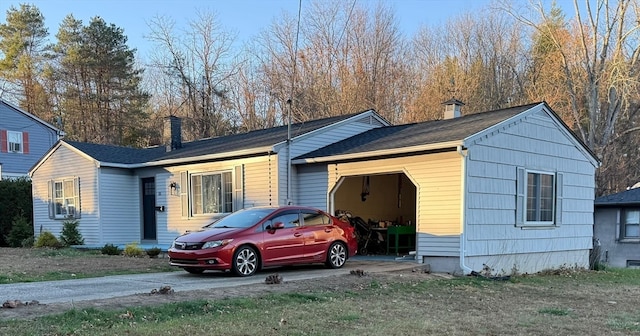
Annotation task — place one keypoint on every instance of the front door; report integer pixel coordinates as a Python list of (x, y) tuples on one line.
[(149, 208)]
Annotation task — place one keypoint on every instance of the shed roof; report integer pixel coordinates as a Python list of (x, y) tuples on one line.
[(627, 197)]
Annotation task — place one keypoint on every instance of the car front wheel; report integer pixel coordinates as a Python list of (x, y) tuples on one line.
[(337, 255), (245, 261)]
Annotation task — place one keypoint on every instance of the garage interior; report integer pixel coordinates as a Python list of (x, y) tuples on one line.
[(382, 208)]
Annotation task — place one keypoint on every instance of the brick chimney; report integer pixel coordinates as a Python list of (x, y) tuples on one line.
[(452, 108), (172, 133)]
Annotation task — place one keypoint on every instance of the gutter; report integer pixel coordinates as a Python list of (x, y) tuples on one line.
[(463, 236), (383, 152)]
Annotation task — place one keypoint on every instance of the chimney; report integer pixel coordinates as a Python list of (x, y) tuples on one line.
[(172, 133), (452, 108)]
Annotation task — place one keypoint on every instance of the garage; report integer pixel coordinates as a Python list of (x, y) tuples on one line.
[(382, 207)]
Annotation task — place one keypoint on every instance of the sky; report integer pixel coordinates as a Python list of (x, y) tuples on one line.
[(245, 17)]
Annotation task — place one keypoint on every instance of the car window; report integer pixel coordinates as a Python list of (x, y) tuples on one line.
[(312, 218), (242, 218), (290, 220)]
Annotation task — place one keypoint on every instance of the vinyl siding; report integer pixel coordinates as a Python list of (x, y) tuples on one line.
[(438, 184), (119, 194), (312, 186), (313, 141), (41, 139), (65, 163), (534, 143)]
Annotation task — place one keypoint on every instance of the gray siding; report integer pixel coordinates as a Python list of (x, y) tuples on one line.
[(312, 183), (41, 138), (535, 143), (614, 252), (65, 163)]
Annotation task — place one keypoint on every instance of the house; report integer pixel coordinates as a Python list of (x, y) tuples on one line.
[(617, 228), (24, 138), (504, 191)]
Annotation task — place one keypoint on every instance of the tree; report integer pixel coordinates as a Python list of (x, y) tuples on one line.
[(23, 44), (101, 99), (197, 65)]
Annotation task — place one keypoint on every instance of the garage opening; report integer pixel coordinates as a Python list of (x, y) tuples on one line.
[(382, 207)]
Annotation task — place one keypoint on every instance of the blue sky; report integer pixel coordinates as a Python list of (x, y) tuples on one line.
[(245, 17)]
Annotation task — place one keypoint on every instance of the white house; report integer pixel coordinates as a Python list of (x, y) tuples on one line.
[(506, 191)]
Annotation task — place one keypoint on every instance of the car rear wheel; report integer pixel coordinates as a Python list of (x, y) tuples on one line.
[(194, 270), (245, 261), (337, 255)]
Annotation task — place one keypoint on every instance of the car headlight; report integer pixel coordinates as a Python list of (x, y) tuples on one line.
[(216, 243)]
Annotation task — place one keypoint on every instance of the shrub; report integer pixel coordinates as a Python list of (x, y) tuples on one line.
[(110, 249), (153, 252), (133, 250), (21, 230), (70, 234), (15, 199), (47, 239)]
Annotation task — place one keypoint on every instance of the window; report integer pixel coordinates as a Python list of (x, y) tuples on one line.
[(539, 198), (290, 220), (64, 198), (15, 141), (211, 193), (630, 225), (315, 218)]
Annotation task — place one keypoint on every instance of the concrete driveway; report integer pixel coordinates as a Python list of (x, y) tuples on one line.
[(123, 285)]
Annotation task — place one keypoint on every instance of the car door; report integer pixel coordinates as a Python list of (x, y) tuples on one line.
[(284, 245), (318, 234)]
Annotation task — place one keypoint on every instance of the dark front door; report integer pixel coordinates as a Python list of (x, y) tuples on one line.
[(149, 208)]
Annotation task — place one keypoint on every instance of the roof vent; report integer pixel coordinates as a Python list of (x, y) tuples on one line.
[(452, 108)]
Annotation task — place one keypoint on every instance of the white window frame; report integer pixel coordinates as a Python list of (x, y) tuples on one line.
[(624, 223), (15, 139), (224, 193), (524, 199), (64, 198)]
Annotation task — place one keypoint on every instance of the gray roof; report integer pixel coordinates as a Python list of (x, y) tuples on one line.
[(416, 134), (627, 197), (223, 144)]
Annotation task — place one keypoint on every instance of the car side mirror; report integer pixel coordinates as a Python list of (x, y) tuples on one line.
[(277, 225)]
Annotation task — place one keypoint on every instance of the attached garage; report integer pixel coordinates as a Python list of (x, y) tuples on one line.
[(473, 187)]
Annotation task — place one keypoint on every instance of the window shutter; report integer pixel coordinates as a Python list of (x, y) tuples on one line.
[(50, 204), (25, 143), (184, 193), (521, 181), (238, 187), (559, 191), (3, 141), (76, 197)]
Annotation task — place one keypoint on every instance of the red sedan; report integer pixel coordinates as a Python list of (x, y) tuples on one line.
[(250, 239)]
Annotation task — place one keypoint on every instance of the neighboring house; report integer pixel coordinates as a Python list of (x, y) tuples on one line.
[(617, 228), (24, 139), (507, 191)]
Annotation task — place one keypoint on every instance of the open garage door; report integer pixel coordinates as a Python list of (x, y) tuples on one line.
[(382, 207)]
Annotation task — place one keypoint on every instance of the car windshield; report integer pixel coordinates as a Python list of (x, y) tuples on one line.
[(242, 218)]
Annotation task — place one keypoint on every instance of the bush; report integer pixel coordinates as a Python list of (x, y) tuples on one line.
[(21, 230), (110, 249), (153, 252), (70, 234), (47, 239), (133, 250), (15, 199)]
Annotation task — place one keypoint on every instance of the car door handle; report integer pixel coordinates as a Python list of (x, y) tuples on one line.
[(297, 234), (327, 230)]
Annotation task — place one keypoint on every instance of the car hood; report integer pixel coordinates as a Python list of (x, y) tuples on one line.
[(208, 235)]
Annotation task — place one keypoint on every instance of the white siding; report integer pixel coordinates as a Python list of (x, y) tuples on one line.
[(119, 194), (259, 187), (491, 235), (437, 178), (65, 163)]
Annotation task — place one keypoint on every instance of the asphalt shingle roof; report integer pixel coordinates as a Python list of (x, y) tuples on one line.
[(223, 144), (627, 197), (408, 135)]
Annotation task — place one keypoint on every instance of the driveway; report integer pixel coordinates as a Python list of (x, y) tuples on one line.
[(64, 291)]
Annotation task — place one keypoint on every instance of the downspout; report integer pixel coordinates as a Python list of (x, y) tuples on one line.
[(463, 236)]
